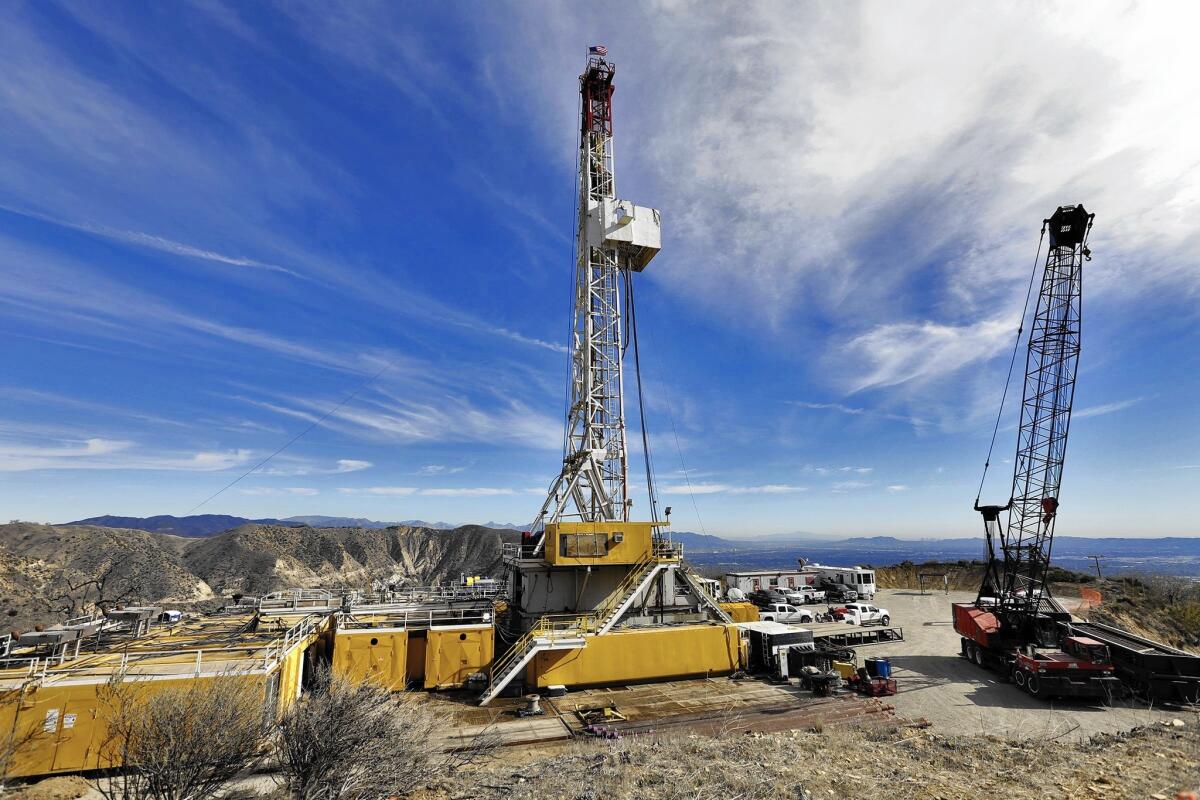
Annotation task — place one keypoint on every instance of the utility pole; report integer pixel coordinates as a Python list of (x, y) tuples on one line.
[(1099, 577)]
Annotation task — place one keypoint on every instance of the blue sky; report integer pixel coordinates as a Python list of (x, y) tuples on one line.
[(217, 221)]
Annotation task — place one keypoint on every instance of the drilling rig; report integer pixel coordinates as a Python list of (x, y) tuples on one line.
[(614, 239), (1014, 624), (585, 570)]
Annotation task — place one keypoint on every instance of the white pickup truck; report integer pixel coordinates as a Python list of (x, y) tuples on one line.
[(785, 612), (804, 595), (865, 614)]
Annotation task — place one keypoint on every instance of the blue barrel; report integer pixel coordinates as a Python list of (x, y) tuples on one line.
[(883, 668), (872, 665)]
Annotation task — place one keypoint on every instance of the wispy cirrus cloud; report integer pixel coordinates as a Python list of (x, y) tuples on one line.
[(722, 488), (153, 242), (1106, 408), (104, 454), (270, 491), (405, 491)]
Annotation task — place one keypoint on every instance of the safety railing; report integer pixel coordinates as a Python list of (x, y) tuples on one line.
[(551, 626), (665, 550), (193, 661), (381, 617)]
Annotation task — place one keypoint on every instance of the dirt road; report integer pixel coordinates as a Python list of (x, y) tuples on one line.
[(960, 698)]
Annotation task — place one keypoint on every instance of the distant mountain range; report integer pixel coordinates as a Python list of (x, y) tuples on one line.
[(1173, 555), (1167, 555), (211, 524)]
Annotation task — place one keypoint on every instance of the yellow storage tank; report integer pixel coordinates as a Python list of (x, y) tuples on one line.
[(455, 652), (741, 612), (641, 655)]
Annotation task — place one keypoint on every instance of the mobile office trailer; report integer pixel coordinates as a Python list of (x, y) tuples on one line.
[(771, 579), (860, 579)]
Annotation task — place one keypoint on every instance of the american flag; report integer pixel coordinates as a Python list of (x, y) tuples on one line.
[(598, 50)]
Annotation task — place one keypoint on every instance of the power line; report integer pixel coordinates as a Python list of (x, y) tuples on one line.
[(293, 440)]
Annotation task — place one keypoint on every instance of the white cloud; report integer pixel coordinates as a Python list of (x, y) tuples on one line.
[(386, 491), (770, 488), (109, 454), (695, 488), (855, 411), (896, 353), (405, 491), (153, 242), (1105, 408), (885, 175), (828, 471), (448, 418), (722, 488), (847, 486), (897, 487), (439, 469), (268, 491), (352, 465)]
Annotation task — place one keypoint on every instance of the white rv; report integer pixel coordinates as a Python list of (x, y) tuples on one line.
[(860, 579)]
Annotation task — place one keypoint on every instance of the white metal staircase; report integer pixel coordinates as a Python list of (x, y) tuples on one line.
[(543, 636)]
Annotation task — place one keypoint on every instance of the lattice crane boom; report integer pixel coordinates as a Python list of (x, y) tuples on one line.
[(1019, 552)]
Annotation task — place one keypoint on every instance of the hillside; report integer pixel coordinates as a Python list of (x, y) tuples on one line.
[(48, 571)]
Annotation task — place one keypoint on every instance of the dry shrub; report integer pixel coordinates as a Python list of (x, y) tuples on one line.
[(179, 743), (358, 741)]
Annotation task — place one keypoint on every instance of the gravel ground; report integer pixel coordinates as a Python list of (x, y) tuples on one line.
[(959, 698)]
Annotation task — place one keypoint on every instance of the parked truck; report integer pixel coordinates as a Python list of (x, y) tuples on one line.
[(805, 595), (866, 614), (786, 612)]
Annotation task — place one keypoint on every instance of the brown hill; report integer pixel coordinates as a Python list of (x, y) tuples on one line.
[(47, 572), (254, 559)]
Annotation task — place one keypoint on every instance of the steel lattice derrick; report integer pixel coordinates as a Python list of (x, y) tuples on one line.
[(1051, 364), (613, 239), (596, 417)]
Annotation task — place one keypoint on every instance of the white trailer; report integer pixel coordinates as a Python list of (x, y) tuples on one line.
[(860, 579), (779, 580)]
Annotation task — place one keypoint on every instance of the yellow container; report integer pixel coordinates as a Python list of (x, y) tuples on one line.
[(455, 652), (741, 612), (581, 544), (845, 669), (641, 655), (380, 656)]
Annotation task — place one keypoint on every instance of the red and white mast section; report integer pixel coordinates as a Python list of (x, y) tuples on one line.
[(614, 238)]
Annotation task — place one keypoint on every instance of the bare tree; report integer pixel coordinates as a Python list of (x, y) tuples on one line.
[(358, 741), (179, 743), (118, 582)]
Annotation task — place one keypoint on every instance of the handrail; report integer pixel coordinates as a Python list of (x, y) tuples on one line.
[(413, 616), (272, 652)]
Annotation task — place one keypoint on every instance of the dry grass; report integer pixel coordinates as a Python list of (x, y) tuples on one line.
[(846, 762), (358, 741)]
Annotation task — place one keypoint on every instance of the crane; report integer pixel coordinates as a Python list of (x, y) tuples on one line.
[(1014, 622), (614, 239)]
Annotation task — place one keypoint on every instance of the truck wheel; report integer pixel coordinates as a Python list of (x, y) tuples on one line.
[(885, 620), (1033, 685), (1018, 676), (977, 655), (966, 648)]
